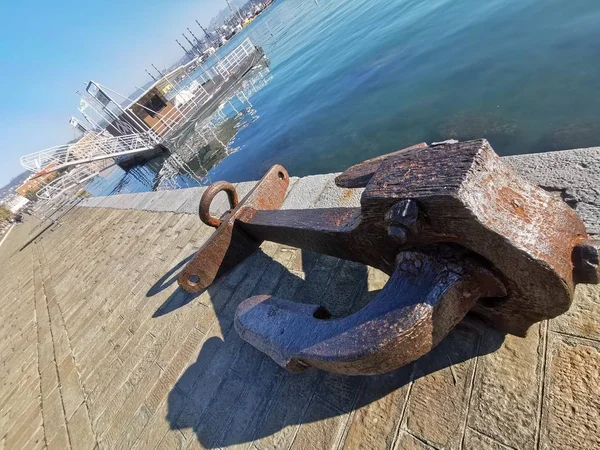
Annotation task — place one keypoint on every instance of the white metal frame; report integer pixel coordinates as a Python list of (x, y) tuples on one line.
[(98, 146), (67, 182), (95, 148), (235, 57)]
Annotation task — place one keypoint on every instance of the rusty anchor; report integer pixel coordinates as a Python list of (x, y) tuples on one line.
[(457, 231)]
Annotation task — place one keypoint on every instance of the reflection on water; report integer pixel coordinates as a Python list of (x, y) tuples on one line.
[(573, 135), (465, 126), (197, 147)]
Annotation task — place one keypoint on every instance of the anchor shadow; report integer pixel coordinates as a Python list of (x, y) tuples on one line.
[(233, 394)]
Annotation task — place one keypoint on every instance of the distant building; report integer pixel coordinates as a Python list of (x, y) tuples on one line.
[(32, 185)]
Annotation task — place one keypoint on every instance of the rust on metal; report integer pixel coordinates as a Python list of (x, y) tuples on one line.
[(359, 175), (457, 231), (230, 245), (401, 324), (208, 197)]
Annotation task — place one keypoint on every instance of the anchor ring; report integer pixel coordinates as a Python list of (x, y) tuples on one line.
[(209, 196)]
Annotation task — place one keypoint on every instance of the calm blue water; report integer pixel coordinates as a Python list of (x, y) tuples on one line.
[(356, 79)]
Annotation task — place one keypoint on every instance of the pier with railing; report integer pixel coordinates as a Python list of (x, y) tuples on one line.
[(150, 120)]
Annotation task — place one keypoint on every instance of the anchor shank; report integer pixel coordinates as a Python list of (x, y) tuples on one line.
[(331, 231)]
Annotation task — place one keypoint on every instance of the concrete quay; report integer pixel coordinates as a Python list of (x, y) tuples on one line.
[(99, 349)]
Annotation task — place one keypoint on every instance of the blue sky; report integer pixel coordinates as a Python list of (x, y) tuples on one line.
[(48, 50)]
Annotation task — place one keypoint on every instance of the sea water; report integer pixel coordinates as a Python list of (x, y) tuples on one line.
[(351, 80)]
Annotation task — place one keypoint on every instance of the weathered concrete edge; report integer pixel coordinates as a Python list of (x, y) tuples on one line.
[(573, 174)]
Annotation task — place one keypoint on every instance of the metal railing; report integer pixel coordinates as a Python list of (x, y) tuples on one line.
[(92, 147), (187, 96), (68, 181), (235, 57), (190, 95)]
